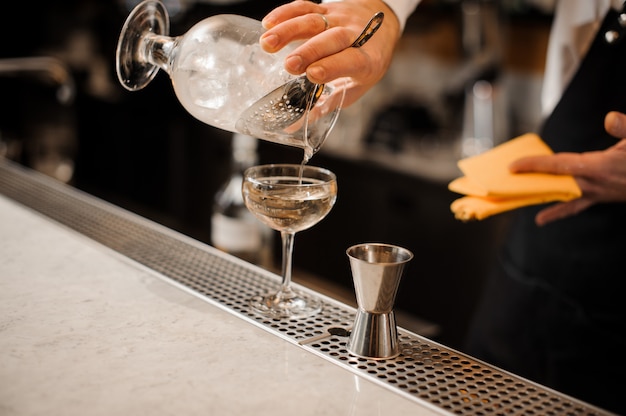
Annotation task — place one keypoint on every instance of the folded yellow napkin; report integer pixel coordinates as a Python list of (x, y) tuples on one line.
[(492, 189)]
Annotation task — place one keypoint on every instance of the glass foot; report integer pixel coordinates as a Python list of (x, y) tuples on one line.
[(284, 305), (133, 71)]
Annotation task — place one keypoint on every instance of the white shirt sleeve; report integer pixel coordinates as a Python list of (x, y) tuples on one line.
[(402, 8), (575, 25)]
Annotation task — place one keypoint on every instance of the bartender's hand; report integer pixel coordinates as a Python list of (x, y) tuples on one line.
[(326, 55), (601, 175)]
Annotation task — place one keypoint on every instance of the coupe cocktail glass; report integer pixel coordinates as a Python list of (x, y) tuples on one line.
[(288, 198), (218, 71)]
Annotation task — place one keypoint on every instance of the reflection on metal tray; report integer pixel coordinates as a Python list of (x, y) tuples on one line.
[(425, 372)]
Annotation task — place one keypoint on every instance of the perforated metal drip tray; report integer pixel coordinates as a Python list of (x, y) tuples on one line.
[(425, 372)]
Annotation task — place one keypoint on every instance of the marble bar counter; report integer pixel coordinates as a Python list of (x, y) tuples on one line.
[(105, 313)]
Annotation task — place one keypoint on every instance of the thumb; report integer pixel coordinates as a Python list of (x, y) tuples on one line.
[(615, 124)]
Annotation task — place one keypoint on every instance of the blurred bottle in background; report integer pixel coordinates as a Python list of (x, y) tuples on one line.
[(233, 228)]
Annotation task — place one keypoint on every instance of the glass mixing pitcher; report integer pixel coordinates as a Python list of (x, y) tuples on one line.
[(222, 77)]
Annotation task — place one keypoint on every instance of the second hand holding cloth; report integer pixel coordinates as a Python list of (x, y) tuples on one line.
[(491, 189)]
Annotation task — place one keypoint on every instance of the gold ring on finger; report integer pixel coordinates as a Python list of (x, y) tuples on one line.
[(326, 24)]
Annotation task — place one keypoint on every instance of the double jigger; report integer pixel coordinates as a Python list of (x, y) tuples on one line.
[(376, 271)]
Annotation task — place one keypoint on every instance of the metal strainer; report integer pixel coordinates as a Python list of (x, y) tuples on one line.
[(286, 104)]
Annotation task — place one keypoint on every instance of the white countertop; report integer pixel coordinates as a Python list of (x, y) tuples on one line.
[(85, 331)]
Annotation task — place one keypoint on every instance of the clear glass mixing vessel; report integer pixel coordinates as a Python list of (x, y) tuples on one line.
[(218, 71)]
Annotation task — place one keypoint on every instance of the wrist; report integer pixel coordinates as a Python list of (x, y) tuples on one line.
[(401, 9)]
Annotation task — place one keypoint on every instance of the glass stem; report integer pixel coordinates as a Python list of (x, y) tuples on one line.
[(287, 239), (158, 50)]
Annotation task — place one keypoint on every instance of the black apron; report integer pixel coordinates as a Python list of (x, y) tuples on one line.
[(554, 309)]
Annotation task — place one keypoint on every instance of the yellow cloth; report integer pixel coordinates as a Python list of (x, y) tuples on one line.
[(492, 189)]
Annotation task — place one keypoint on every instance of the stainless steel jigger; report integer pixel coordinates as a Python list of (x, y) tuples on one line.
[(376, 271)]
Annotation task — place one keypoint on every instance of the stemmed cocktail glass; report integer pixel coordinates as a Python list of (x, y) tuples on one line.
[(288, 198)]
